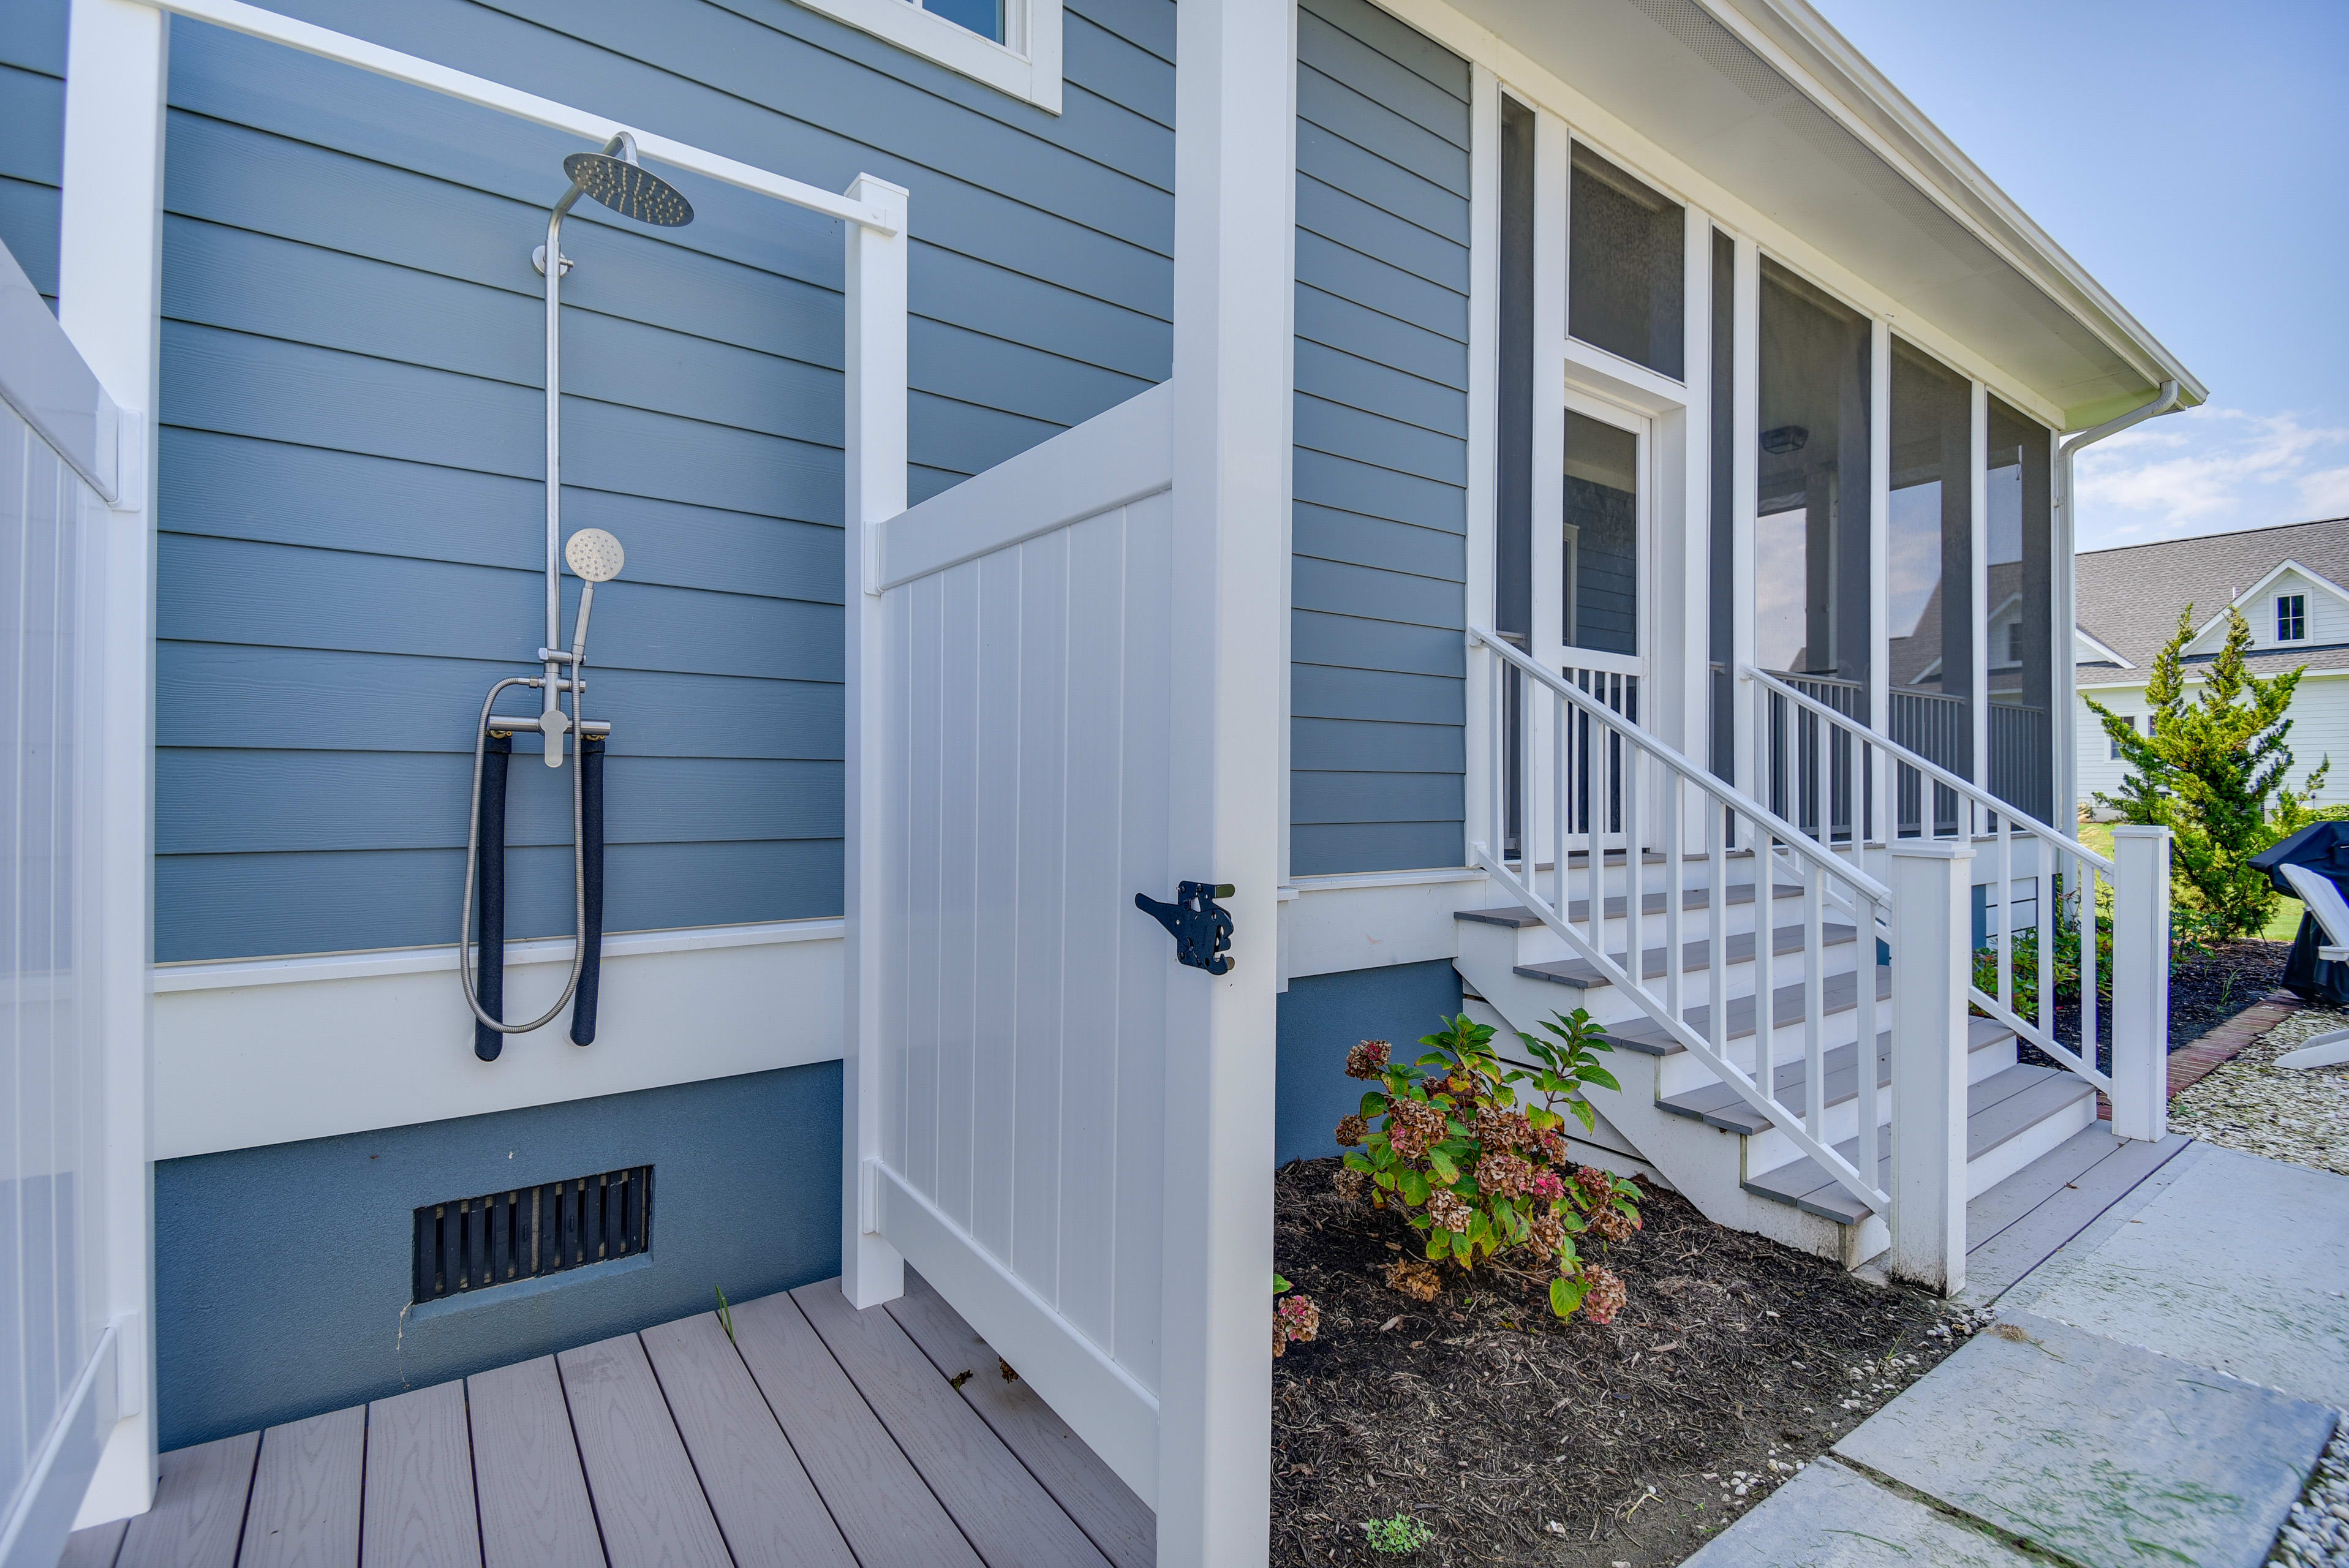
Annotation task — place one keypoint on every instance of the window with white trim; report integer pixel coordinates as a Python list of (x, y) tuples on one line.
[(2292, 617), (2114, 741), (1013, 46)]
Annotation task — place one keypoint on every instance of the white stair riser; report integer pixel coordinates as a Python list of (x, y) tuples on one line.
[(1995, 1165)]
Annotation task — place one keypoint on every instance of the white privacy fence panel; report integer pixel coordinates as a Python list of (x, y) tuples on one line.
[(1025, 735), (52, 1311)]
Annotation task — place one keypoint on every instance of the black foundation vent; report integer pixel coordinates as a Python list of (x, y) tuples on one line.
[(477, 1244)]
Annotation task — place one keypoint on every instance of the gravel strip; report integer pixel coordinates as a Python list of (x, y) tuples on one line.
[(2297, 1115), (2317, 1534)]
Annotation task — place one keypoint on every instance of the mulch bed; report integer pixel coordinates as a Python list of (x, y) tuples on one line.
[(1520, 1439), (2206, 989)]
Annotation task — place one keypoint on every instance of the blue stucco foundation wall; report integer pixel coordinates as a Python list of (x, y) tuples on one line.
[(282, 1273), (1322, 1016)]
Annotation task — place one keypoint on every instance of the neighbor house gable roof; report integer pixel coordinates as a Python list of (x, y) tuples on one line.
[(2211, 637), (2129, 598)]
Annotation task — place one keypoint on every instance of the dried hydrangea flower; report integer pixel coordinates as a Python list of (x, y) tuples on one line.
[(1612, 1224), (1548, 1187), (1504, 1175), (1369, 1059), (1299, 1316), (1605, 1297), (1352, 1130), (1349, 1183), (1598, 1187), (1413, 1125), (1547, 1232), (1499, 1129), (1448, 1211), (1414, 1279), (1552, 1144)]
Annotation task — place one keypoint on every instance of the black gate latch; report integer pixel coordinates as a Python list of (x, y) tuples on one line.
[(1202, 931)]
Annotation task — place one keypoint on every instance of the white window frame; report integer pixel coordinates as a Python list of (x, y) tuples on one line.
[(2299, 617), (1026, 65)]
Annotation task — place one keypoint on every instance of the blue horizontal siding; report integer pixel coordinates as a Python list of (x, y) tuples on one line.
[(1379, 514), (352, 449)]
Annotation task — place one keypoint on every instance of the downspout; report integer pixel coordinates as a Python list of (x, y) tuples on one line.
[(2067, 781)]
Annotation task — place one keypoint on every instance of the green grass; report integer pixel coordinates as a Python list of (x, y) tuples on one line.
[(2282, 925)]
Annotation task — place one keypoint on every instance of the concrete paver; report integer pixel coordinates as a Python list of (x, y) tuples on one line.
[(1828, 1517)]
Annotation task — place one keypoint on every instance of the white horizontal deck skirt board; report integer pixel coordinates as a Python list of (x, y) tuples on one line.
[(418, 1510), (877, 1498), (305, 1511), (1022, 1029), (532, 1496), (1007, 1516), (300, 1049), (647, 1499), (199, 1507), (765, 1504), (1114, 1519)]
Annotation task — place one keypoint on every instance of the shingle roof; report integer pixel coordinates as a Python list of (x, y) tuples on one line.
[(2130, 597)]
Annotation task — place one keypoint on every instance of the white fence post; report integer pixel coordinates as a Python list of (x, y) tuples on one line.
[(871, 1270), (2140, 981), (1932, 892)]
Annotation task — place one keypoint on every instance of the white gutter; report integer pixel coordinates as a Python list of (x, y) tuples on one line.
[(2063, 721)]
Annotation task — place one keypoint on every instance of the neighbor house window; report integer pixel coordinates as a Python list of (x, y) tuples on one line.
[(1627, 262), (2114, 743), (2292, 617)]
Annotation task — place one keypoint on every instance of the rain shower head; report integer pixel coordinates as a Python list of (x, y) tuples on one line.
[(627, 189), (595, 556)]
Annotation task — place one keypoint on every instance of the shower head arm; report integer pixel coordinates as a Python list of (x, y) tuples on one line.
[(623, 146)]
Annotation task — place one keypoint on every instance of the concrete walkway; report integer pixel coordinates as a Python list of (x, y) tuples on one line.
[(2158, 1391)]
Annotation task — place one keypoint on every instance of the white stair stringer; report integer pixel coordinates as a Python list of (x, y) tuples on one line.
[(1678, 1122)]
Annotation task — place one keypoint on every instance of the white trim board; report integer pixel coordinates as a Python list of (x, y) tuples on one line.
[(274, 1050), (1026, 65)]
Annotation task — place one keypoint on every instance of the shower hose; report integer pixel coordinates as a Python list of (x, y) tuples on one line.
[(485, 857)]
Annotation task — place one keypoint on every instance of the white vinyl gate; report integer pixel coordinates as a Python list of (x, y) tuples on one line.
[(59, 1397), (1023, 799)]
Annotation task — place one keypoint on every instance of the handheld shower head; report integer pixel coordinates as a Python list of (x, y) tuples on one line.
[(629, 189), (595, 556)]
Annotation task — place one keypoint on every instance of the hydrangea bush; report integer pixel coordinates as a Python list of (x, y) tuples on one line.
[(1481, 1171)]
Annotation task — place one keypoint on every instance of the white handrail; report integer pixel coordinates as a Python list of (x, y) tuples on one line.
[(1601, 786), (1981, 806)]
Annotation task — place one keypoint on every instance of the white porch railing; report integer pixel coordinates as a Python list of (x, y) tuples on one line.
[(1579, 785), (2032, 879)]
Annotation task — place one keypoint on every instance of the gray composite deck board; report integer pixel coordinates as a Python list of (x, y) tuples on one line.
[(531, 1492), (767, 1508), (95, 1547), (418, 1511), (200, 1504), (1115, 1520), (647, 1498), (1838, 994), (878, 1500), (785, 1448), (1005, 1512), (1695, 956), (305, 1511)]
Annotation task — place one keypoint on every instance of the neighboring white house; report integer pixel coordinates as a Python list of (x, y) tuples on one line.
[(2291, 584)]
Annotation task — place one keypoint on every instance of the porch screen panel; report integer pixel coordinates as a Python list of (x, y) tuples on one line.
[(2019, 618), (1626, 265), (1931, 531), (1811, 506)]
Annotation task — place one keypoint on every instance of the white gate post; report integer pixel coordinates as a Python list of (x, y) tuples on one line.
[(110, 298), (2140, 981), (1235, 234), (1932, 926), (871, 1270)]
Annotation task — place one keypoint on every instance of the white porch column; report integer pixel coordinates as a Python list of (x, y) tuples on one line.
[(1931, 894), (871, 1270), (1234, 245), (1745, 462), (2140, 982), (109, 296)]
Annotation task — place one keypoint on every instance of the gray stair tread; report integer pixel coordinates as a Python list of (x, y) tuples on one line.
[(2095, 1451), (1578, 910), (2018, 1224), (1832, 1517), (1721, 1105), (1997, 1109), (1838, 994), (1695, 956)]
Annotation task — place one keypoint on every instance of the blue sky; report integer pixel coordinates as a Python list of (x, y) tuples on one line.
[(2195, 159)]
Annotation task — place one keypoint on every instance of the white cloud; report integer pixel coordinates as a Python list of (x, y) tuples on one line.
[(2209, 471)]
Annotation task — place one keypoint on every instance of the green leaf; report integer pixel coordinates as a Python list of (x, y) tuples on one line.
[(1373, 1104), (1566, 1294), (1278, 1283), (1414, 1188), (1439, 1245), (1445, 1172), (1584, 1114), (1599, 1075), (1357, 1163)]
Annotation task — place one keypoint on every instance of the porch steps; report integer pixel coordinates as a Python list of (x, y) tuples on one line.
[(1692, 1130)]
